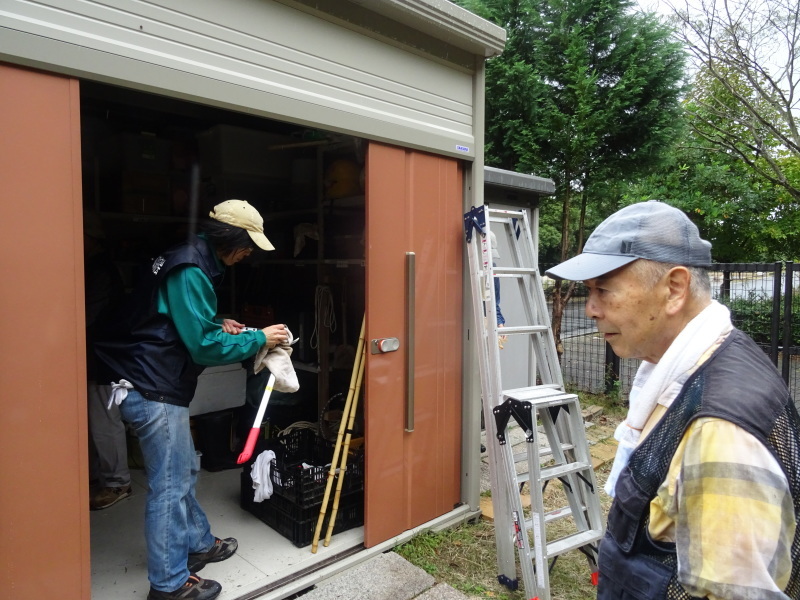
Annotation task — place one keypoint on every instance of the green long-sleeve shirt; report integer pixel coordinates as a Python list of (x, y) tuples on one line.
[(187, 297)]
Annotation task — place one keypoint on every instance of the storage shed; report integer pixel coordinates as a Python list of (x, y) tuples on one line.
[(355, 127)]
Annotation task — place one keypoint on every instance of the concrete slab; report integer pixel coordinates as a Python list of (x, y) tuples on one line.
[(590, 413), (603, 452), (388, 576)]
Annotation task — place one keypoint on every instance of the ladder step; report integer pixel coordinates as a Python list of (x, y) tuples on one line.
[(548, 451), (558, 513), (524, 329), (561, 470), (516, 214), (544, 452), (543, 396), (554, 515), (545, 391), (500, 271), (571, 542)]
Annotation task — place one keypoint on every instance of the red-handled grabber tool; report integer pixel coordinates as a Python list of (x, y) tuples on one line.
[(252, 437)]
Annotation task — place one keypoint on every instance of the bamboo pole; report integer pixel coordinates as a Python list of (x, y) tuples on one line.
[(346, 448), (357, 367)]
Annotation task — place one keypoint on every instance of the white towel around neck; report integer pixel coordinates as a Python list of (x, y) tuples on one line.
[(660, 383)]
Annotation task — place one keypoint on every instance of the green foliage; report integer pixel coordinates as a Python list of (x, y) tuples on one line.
[(743, 101), (753, 315), (585, 90), (746, 217)]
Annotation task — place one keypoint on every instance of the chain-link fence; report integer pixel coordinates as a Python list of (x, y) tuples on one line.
[(764, 299)]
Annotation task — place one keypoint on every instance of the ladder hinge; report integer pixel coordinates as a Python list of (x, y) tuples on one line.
[(521, 411), (474, 219)]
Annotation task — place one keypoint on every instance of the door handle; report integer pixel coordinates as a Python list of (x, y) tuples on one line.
[(410, 318), (381, 345)]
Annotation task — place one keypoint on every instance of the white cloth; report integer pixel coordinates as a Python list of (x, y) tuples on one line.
[(493, 242), (119, 391), (661, 383), (301, 232), (278, 361), (259, 473)]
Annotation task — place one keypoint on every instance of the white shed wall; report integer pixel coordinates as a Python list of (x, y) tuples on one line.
[(255, 56)]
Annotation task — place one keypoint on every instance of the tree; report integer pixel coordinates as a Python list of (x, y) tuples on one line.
[(585, 91), (746, 216), (743, 216), (747, 49)]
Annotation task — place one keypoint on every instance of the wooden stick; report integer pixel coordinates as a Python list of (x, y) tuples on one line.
[(343, 467), (332, 471)]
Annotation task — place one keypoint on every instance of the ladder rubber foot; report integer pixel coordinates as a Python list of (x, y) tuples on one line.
[(511, 584), (595, 578)]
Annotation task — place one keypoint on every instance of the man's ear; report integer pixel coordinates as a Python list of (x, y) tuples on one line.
[(677, 281)]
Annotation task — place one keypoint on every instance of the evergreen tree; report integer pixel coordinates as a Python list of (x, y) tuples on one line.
[(585, 91)]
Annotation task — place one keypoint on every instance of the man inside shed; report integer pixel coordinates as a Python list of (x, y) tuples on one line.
[(705, 481)]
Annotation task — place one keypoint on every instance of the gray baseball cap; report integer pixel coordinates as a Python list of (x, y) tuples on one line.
[(651, 230)]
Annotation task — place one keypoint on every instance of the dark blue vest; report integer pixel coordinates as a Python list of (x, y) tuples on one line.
[(738, 384), (142, 345)]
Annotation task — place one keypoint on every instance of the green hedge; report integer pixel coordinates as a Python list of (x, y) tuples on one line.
[(753, 315)]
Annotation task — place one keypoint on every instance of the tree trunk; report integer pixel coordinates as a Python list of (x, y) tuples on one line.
[(559, 300)]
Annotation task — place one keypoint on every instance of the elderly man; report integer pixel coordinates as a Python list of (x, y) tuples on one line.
[(705, 481)]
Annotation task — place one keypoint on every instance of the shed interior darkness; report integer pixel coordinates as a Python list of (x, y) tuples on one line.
[(151, 167)]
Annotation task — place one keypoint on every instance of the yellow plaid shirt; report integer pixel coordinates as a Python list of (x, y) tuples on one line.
[(726, 505)]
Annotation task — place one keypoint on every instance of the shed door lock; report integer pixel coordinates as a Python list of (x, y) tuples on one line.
[(382, 345)]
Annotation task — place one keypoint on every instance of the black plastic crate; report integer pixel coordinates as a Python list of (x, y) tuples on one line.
[(302, 445), (298, 523), (305, 486)]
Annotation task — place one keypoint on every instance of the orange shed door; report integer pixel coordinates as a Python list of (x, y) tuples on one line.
[(414, 203), (44, 516)]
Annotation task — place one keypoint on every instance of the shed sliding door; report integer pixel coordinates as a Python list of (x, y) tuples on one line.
[(413, 206), (44, 513)]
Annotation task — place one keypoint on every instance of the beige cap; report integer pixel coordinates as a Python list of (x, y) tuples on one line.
[(240, 213)]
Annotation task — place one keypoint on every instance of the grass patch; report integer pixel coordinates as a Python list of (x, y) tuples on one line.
[(465, 557), (613, 408)]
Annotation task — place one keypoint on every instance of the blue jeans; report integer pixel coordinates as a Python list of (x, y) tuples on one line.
[(174, 523), (500, 318)]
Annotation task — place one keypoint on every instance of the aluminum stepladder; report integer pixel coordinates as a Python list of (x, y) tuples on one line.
[(562, 453)]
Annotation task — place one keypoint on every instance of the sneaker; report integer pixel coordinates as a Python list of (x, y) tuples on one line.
[(221, 550), (109, 496), (195, 588)]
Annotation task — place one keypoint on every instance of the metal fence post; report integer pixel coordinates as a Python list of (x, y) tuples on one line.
[(611, 369), (776, 312), (725, 288), (787, 320)]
